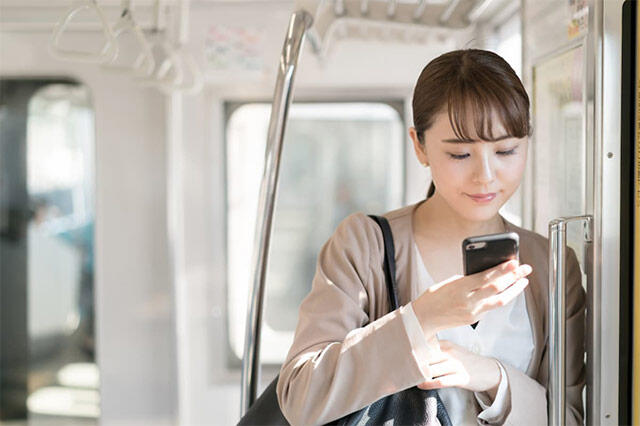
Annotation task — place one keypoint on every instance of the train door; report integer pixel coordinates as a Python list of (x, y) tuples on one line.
[(572, 69)]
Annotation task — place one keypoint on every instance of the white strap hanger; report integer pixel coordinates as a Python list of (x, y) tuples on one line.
[(165, 64), (144, 63), (108, 51), (180, 61), (192, 85)]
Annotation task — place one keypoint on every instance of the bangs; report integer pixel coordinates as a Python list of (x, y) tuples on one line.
[(477, 99)]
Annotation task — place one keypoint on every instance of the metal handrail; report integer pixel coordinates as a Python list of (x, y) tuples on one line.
[(557, 313), (109, 49), (300, 21)]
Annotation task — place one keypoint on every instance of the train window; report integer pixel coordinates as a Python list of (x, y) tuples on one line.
[(560, 177), (338, 158), (46, 251)]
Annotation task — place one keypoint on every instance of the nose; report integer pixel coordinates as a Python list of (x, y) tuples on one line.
[(484, 172)]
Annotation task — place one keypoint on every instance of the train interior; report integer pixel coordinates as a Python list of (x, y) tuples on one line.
[(132, 158)]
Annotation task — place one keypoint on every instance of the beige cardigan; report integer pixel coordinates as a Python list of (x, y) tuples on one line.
[(346, 340)]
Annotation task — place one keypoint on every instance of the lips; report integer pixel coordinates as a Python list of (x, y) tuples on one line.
[(482, 197)]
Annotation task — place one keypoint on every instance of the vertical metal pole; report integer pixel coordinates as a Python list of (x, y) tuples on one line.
[(558, 312), (175, 236), (298, 24), (557, 324)]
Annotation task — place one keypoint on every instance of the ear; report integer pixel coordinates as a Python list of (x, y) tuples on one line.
[(418, 147)]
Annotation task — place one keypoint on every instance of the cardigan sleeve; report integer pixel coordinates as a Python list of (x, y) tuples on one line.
[(339, 361), (529, 396)]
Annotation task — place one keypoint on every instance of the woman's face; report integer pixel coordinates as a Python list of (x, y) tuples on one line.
[(474, 178)]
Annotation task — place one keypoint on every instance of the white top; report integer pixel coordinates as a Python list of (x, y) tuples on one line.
[(503, 333)]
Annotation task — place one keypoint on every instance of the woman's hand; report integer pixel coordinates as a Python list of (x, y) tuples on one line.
[(462, 300), (457, 367)]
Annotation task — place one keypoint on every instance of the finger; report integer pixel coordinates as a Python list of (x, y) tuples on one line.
[(450, 380), (437, 357), (426, 385), (500, 269), (508, 295), (483, 277), (501, 282), (442, 368), (431, 384), (505, 279)]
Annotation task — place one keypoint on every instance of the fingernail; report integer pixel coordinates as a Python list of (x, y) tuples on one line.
[(526, 269)]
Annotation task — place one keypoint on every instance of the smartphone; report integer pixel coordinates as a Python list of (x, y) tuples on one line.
[(486, 251)]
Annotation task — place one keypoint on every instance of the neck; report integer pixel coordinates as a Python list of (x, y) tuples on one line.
[(436, 219)]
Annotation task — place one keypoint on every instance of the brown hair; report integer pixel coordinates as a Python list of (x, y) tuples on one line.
[(476, 81)]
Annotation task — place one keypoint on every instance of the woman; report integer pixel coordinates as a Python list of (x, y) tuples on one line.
[(471, 126)]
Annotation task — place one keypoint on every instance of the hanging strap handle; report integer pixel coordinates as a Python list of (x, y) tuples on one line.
[(389, 261)]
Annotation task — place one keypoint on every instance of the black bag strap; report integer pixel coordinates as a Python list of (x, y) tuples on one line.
[(389, 261)]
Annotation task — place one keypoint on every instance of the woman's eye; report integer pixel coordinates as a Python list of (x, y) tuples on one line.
[(463, 156), (458, 156)]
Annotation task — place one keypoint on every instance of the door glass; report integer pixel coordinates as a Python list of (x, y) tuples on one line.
[(559, 143), (63, 377)]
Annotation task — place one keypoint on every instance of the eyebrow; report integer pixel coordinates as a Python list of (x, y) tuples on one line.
[(475, 140)]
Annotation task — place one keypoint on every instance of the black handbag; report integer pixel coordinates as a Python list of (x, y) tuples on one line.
[(412, 406)]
